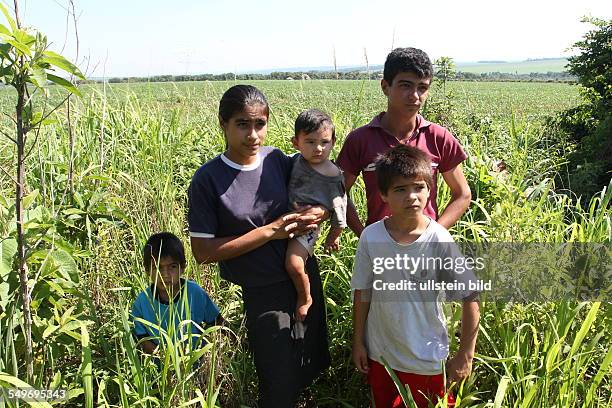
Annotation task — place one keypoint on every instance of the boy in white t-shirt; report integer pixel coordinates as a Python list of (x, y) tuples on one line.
[(404, 266)]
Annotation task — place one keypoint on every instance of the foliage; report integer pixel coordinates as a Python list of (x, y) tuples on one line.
[(593, 66), (25, 57), (589, 125), (445, 70)]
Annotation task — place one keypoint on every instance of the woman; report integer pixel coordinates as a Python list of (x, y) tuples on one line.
[(238, 217)]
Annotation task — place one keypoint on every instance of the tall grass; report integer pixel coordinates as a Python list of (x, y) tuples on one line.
[(137, 147)]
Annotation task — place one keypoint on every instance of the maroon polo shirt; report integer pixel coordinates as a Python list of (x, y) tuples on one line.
[(363, 145)]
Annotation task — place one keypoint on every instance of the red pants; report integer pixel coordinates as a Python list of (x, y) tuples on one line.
[(422, 387)]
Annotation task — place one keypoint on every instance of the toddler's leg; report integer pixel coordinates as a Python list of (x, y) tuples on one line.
[(295, 261)]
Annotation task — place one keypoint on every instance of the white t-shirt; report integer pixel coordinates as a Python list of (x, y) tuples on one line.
[(406, 325)]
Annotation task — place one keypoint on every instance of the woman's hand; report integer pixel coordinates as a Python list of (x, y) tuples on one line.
[(310, 216), (284, 226), (208, 250)]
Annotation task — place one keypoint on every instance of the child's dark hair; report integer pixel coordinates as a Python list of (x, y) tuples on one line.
[(236, 98), (162, 245), (312, 120), (407, 60), (402, 161)]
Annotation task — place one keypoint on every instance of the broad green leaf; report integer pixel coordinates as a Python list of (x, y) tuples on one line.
[(70, 211), (5, 290), (5, 49), (64, 83), (5, 31), (22, 48), (86, 369), (584, 329), (29, 199), (604, 370), (6, 75), (24, 37), (16, 382), (501, 391), (38, 77), (37, 117), (552, 354), (67, 316), (66, 265), (62, 63), (8, 250), (8, 16), (49, 330), (70, 326)]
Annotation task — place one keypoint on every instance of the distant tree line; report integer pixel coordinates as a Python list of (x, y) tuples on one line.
[(504, 76), (347, 75)]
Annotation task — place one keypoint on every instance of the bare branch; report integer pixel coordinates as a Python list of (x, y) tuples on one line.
[(76, 29), (50, 112), (9, 176), (10, 117), (33, 144), (9, 137), (17, 20)]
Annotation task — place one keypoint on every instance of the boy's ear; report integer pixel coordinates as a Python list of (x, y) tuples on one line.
[(221, 122), (383, 196), (384, 85), (294, 140)]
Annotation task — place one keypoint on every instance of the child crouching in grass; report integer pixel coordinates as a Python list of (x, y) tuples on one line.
[(177, 306)]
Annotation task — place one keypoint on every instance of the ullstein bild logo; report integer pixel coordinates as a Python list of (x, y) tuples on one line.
[(433, 285)]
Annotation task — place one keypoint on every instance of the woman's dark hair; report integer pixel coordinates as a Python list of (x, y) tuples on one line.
[(312, 120), (236, 98), (407, 60), (402, 161), (162, 245)]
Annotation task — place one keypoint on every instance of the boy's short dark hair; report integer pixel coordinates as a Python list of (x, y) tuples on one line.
[(407, 60), (312, 120), (402, 161), (162, 245)]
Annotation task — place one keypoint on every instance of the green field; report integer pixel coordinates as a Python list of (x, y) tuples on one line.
[(136, 147), (515, 67)]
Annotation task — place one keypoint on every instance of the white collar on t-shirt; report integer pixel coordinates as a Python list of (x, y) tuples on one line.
[(245, 167)]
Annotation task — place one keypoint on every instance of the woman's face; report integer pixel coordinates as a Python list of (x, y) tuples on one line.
[(245, 133)]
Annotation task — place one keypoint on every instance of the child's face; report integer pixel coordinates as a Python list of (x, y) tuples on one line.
[(316, 146), (245, 133), (407, 197), (165, 273), (407, 93)]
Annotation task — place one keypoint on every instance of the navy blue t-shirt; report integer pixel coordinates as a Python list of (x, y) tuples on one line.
[(228, 199)]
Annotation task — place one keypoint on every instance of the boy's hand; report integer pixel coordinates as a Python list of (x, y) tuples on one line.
[(331, 243), (459, 367), (360, 357)]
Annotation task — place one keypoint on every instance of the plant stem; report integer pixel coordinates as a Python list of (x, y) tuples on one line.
[(21, 255)]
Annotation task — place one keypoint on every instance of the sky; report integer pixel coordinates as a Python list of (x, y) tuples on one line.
[(144, 38)]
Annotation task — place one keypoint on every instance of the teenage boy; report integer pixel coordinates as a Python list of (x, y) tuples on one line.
[(406, 80), (397, 314)]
